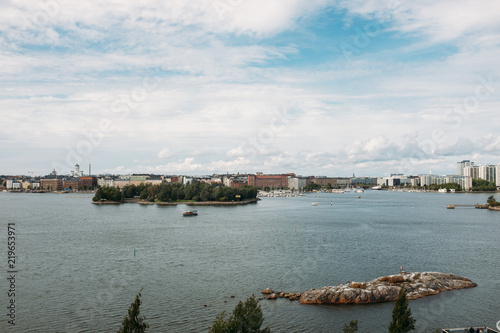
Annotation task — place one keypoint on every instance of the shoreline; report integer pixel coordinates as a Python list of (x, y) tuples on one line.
[(200, 203)]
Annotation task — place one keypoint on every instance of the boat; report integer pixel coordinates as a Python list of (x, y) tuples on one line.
[(314, 204), (190, 213), (377, 188)]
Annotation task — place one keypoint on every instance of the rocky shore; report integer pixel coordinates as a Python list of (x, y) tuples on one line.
[(382, 289), (106, 202)]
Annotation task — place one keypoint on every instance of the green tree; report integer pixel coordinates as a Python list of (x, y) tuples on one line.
[(134, 322), (312, 186), (483, 185), (352, 327), (402, 320), (246, 318), (492, 201)]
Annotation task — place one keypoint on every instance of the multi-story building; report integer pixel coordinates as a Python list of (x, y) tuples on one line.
[(106, 182), (51, 184), (462, 165), (87, 183), (137, 179), (271, 181), (471, 171), (298, 183), (498, 175), (395, 180), (70, 183), (121, 183), (363, 181), (488, 172), (154, 180), (324, 181)]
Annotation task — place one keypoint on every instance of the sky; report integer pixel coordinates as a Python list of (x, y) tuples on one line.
[(315, 87)]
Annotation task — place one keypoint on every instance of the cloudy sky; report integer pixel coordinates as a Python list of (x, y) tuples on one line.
[(315, 87)]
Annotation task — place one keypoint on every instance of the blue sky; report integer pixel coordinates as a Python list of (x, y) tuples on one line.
[(314, 87)]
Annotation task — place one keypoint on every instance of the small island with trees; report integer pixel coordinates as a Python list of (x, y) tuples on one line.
[(194, 193)]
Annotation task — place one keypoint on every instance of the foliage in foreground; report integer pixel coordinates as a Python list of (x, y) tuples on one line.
[(492, 201), (352, 327), (134, 322), (402, 320), (246, 318)]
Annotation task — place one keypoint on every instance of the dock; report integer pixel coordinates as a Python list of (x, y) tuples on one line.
[(478, 206)]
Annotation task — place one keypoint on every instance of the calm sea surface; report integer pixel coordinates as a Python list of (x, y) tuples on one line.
[(77, 271)]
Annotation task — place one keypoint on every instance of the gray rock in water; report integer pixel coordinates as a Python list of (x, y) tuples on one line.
[(386, 288)]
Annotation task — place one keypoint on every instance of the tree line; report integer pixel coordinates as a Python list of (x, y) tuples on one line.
[(171, 192)]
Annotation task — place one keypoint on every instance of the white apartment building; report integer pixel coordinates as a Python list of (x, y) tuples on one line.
[(462, 165), (471, 171), (488, 172), (498, 175)]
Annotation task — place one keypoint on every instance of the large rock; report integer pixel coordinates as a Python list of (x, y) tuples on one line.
[(386, 289), (267, 291)]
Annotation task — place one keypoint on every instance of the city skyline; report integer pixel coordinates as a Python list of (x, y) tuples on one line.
[(318, 87)]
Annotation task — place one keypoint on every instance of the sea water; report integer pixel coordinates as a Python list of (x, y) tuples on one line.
[(79, 266)]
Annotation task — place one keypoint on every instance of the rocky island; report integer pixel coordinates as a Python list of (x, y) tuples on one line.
[(382, 289)]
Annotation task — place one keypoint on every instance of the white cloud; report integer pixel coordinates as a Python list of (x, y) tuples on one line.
[(164, 153)]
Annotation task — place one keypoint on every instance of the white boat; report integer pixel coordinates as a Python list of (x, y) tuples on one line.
[(376, 187), (314, 204)]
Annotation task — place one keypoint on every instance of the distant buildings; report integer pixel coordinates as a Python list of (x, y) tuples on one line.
[(271, 181), (462, 165), (466, 172)]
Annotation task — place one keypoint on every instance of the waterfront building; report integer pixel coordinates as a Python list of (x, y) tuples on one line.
[(106, 182), (398, 180), (471, 171), (272, 181), (363, 181), (87, 183), (70, 183), (298, 183), (51, 184), (462, 165), (488, 172), (498, 175)]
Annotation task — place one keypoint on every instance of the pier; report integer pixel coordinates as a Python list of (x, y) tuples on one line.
[(478, 206)]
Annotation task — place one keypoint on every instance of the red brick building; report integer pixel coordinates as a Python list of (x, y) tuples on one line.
[(70, 184), (87, 183), (271, 181), (53, 184)]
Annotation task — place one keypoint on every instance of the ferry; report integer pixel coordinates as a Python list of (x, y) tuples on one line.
[(190, 213)]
